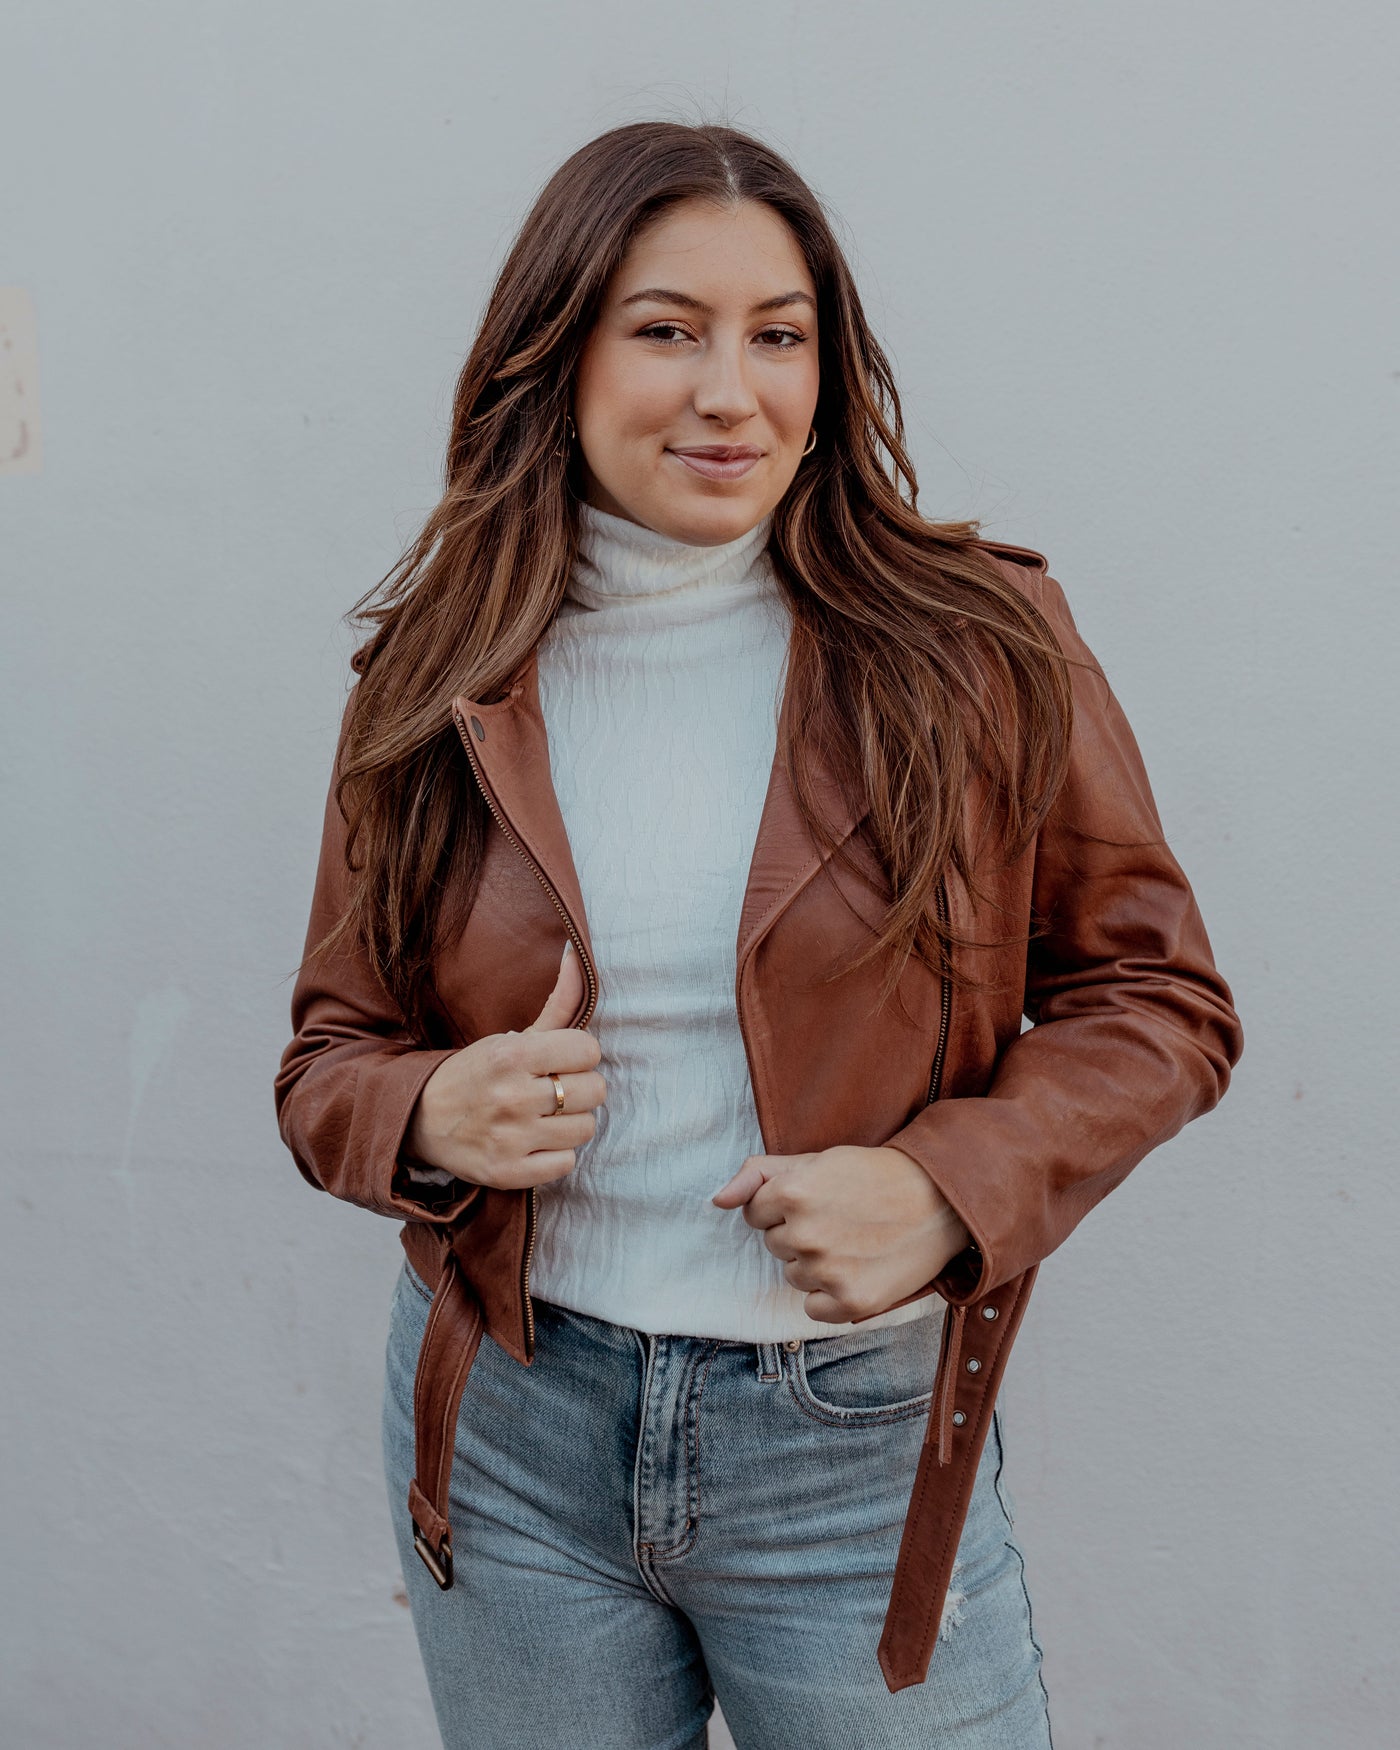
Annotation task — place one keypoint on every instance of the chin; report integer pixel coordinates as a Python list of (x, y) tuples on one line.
[(712, 521)]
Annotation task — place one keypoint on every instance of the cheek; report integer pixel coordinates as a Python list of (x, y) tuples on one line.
[(625, 396), (794, 403)]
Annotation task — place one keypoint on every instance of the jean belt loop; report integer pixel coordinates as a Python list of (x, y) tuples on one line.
[(769, 1366)]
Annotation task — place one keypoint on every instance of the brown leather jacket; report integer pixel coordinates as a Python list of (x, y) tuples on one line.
[(1023, 1131)]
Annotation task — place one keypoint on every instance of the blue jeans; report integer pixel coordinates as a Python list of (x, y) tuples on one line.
[(643, 1523)]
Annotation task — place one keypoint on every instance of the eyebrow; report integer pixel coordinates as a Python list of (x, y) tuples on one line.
[(660, 295)]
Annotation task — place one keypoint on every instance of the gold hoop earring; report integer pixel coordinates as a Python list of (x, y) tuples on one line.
[(811, 442), (570, 435)]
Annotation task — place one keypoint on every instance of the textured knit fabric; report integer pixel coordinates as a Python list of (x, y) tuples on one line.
[(660, 683)]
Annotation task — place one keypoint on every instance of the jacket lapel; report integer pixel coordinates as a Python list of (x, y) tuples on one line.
[(511, 748), (784, 857)]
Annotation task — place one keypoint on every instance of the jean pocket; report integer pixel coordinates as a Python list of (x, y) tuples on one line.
[(879, 1376), (1004, 1495), (411, 1279), (408, 1319)]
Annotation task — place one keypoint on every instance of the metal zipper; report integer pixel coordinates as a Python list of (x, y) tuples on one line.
[(945, 1004), (590, 1003), (525, 1271)]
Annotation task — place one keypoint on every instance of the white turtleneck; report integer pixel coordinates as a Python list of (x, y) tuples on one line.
[(660, 681)]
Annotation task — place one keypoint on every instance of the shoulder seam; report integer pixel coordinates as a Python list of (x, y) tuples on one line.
[(1017, 555)]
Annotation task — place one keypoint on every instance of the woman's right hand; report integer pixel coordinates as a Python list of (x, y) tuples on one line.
[(487, 1114)]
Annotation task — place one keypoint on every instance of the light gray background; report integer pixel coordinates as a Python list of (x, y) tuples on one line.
[(1136, 269)]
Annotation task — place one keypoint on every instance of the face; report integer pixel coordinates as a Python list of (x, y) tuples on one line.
[(697, 388)]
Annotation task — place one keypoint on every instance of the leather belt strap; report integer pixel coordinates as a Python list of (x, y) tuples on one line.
[(976, 1342), (450, 1342)]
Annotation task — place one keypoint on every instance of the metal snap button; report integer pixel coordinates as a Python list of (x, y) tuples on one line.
[(958, 1418), (973, 1364), (989, 1313), (793, 1344), (477, 730)]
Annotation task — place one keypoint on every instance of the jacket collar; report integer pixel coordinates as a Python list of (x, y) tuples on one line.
[(511, 748)]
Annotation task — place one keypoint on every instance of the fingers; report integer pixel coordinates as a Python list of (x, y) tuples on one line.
[(771, 1200), (827, 1310), (549, 1164), (569, 1130), (566, 996), (779, 1243), (767, 1186), (582, 1093), (806, 1278), (741, 1188), (767, 1205), (560, 1049)]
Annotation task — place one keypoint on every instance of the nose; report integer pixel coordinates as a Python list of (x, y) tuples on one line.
[(723, 391)]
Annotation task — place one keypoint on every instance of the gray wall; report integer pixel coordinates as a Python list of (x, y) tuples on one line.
[(1136, 269)]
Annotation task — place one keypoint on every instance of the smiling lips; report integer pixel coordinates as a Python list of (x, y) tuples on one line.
[(719, 461)]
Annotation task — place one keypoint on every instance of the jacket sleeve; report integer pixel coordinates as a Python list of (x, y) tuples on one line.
[(350, 1077), (1134, 1031)]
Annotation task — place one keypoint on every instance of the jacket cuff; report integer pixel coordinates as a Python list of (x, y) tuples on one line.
[(965, 1278), (972, 1273), (430, 1190), (411, 1194), (346, 1123)]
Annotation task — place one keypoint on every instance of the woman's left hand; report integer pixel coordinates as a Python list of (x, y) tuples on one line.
[(858, 1229)]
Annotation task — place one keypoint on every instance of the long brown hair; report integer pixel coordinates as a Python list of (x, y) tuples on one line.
[(918, 669)]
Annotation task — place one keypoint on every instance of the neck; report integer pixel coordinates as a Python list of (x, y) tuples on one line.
[(621, 561)]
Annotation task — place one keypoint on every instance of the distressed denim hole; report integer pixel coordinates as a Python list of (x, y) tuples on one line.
[(953, 1603)]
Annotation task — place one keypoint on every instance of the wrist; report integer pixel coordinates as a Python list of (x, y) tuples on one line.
[(956, 1232), (950, 1236), (417, 1146)]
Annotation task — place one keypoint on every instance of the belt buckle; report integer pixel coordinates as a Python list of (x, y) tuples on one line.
[(438, 1562)]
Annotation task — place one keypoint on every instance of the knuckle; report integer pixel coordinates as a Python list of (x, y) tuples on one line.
[(501, 1052), (839, 1285)]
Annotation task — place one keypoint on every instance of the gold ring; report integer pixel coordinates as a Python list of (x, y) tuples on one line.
[(558, 1095)]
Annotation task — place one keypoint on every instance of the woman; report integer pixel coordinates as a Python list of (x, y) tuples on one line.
[(705, 823)]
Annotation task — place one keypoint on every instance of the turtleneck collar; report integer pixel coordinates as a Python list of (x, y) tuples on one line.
[(620, 562)]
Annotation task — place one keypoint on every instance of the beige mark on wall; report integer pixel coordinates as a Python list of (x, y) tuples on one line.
[(20, 446)]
